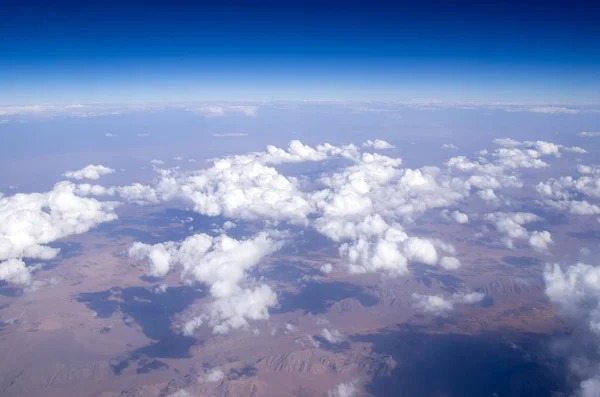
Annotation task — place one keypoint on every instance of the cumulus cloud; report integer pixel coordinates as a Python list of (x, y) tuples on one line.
[(420, 250), (347, 389), (89, 172), (332, 336), (212, 376), (361, 206), (456, 216), (450, 263), (377, 185), (378, 144), (496, 169), (15, 271), (432, 304), (30, 221), (469, 298), (222, 263), (229, 225), (540, 240), (326, 268), (571, 193), (449, 146), (511, 225), (542, 148), (576, 292), (244, 187), (440, 306)]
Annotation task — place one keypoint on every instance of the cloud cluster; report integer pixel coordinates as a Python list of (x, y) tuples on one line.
[(241, 187), (222, 264), (496, 169), (360, 205), (28, 222), (372, 245), (440, 306), (89, 172), (349, 207), (511, 226), (573, 194)]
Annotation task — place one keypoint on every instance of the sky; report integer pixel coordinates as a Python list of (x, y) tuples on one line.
[(131, 52)]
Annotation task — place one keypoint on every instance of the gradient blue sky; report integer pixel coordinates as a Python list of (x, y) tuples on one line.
[(108, 51)]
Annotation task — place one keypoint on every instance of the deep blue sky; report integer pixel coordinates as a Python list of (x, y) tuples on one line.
[(108, 51)]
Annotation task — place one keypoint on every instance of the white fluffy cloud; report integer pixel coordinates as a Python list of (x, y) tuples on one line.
[(89, 172), (30, 221), (378, 144), (571, 194), (244, 187), (450, 263), (542, 148), (212, 376), (361, 206), (576, 292), (222, 263), (15, 271), (540, 240), (432, 304), (439, 306), (496, 169), (332, 335), (456, 216), (511, 225), (326, 268), (348, 389), (375, 246)]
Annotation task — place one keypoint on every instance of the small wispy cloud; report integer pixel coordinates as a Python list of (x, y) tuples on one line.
[(231, 134), (554, 110), (449, 146), (590, 134), (216, 110), (108, 134)]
